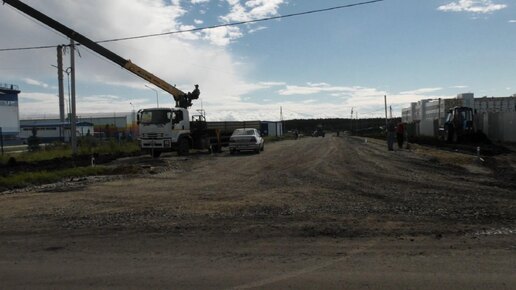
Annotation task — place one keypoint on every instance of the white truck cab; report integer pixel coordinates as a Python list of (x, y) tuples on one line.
[(164, 129)]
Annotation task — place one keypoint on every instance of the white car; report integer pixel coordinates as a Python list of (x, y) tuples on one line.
[(246, 139)]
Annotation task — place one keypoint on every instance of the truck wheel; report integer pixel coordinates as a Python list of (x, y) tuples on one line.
[(216, 148), (183, 147), (155, 153), (448, 136)]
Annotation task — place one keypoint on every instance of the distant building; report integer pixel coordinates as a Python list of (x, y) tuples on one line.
[(495, 105), (103, 126), (495, 116), (51, 131), (9, 111), (429, 109), (432, 109)]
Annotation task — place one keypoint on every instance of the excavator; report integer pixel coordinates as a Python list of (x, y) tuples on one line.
[(161, 129)]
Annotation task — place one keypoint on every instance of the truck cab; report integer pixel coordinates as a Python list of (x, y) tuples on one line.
[(163, 129)]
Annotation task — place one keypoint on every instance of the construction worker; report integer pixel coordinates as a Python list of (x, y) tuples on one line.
[(400, 134), (391, 135)]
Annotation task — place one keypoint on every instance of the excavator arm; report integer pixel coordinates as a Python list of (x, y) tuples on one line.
[(182, 99)]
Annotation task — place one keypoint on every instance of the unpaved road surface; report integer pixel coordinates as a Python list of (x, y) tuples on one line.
[(314, 213)]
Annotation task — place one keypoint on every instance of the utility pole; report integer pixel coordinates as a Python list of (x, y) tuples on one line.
[(61, 90), (390, 109), (73, 122), (357, 123), (281, 119), (385, 100), (2, 140), (351, 122)]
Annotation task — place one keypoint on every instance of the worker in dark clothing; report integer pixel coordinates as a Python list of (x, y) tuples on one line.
[(400, 134), (391, 135)]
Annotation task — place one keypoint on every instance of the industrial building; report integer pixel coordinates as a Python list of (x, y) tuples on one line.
[(98, 125), (495, 116), (9, 111), (50, 131)]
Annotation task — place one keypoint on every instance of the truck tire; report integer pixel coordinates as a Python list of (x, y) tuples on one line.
[(216, 148), (183, 148), (155, 153)]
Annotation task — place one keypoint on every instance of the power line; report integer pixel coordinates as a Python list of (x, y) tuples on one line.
[(211, 27), (243, 22)]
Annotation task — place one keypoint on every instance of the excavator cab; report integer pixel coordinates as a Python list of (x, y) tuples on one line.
[(459, 124)]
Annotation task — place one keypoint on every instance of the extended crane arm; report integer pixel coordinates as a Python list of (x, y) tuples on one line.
[(127, 64)]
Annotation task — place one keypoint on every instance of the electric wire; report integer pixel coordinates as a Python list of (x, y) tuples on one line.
[(212, 26)]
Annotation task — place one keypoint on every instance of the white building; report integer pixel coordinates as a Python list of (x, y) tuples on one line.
[(496, 117), (9, 111), (495, 105)]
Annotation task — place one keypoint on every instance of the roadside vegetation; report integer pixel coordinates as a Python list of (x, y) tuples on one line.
[(54, 162), (86, 146)]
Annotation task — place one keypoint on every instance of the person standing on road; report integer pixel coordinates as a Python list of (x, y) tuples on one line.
[(391, 135), (400, 134)]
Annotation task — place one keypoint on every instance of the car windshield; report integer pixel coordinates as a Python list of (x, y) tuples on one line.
[(243, 132), (155, 116)]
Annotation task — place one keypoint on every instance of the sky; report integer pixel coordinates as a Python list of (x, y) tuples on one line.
[(320, 65)]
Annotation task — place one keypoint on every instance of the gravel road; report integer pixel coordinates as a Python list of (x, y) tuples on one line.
[(324, 213)]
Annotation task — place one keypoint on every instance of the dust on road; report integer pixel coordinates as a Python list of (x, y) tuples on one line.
[(323, 196)]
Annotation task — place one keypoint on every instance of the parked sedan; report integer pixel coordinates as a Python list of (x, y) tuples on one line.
[(246, 139)]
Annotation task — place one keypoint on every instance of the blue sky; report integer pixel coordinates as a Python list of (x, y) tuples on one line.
[(317, 65)]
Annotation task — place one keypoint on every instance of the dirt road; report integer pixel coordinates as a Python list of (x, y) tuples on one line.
[(324, 213)]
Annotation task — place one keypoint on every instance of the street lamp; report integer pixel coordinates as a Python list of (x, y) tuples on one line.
[(157, 100), (67, 71)]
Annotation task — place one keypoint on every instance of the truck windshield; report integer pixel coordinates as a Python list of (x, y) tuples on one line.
[(156, 117)]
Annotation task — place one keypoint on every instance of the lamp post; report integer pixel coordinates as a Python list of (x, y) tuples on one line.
[(157, 100)]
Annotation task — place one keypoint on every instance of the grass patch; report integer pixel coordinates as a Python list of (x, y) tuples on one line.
[(87, 146), (24, 179)]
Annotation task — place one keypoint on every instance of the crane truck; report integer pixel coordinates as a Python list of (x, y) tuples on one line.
[(161, 129)]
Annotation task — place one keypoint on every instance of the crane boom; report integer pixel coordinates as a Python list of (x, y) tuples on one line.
[(83, 40)]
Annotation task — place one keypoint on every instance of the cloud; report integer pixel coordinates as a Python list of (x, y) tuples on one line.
[(250, 10), (512, 21), (199, 1), (336, 91), (182, 61), (460, 87), (422, 91), (272, 84), (472, 6), (33, 82)]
